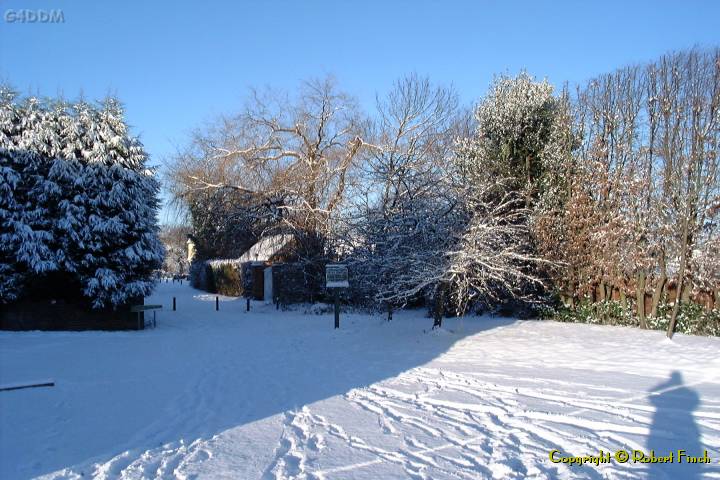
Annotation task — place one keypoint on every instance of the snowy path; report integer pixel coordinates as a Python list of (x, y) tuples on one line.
[(281, 395)]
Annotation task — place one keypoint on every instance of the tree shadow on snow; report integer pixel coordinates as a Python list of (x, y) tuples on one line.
[(673, 428), (228, 372)]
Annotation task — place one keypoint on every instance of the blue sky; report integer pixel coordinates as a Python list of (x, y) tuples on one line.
[(177, 64)]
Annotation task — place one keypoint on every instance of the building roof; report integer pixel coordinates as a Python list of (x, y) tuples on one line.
[(265, 248)]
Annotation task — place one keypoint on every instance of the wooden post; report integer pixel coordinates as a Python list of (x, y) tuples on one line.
[(217, 303), (174, 305), (389, 312), (337, 308), (247, 305)]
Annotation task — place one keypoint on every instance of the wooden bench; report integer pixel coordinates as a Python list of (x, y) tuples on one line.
[(141, 309)]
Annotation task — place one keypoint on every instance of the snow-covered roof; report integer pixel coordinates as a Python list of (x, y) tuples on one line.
[(262, 251), (265, 248)]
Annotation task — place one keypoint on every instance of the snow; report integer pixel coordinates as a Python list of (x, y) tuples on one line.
[(280, 394), (260, 251)]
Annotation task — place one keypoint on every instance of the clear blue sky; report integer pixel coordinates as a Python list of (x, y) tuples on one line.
[(176, 64)]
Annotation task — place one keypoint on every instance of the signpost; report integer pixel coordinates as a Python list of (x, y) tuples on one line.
[(336, 277)]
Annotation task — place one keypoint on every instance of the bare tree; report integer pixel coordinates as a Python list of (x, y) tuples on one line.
[(640, 216), (285, 158), (174, 239)]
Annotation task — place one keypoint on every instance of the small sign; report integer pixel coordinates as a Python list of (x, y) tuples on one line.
[(336, 276)]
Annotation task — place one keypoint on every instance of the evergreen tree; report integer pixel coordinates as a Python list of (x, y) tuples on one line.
[(10, 180), (79, 205)]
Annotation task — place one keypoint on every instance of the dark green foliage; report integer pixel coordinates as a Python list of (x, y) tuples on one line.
[(78, 204), (223, 278), (195, 275), (227, 280), (201, 276), (210, 285), (693, 319)]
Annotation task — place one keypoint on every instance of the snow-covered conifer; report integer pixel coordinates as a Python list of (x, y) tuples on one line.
[(80, 200)]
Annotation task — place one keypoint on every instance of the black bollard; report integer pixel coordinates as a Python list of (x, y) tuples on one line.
[(174, 305), (217, 303), (247, 305)]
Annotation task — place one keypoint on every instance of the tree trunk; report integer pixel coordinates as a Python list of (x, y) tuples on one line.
[(604, 297), (528, 194), (640, 298), (438, 307), (571, 294), (687, 290), (717, 299), (657, 294), (681, 277), (565, 300)]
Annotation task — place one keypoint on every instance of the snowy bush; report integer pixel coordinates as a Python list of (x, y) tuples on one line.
[(692, 319), (227, 280), (218, 276), (77, 199)]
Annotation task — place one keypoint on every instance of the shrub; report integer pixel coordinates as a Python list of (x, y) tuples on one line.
[(692, 319), (201, 276), (197, 273), (227, 280), (210, 285)]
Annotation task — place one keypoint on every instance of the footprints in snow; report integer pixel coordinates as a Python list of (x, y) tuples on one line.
[(298, 446)]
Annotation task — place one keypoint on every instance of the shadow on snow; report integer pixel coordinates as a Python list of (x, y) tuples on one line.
[(199, 374)]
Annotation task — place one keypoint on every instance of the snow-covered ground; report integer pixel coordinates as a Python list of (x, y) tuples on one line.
[(280, 395)]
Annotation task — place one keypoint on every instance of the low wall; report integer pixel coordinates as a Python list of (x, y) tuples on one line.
[(46, 315)]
